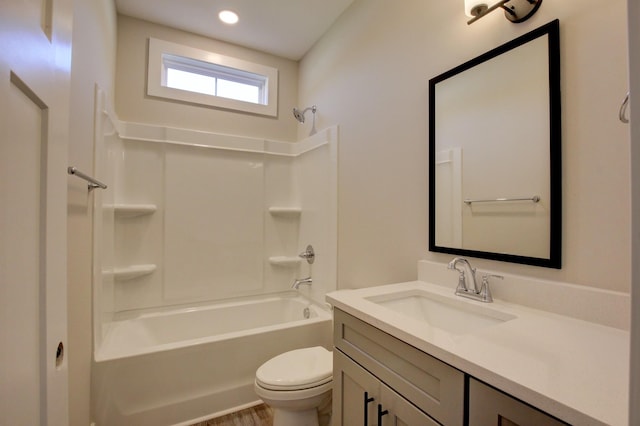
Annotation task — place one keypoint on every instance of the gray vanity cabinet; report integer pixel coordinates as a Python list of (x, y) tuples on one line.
[(379, 380), (413, 387), (489, 407)]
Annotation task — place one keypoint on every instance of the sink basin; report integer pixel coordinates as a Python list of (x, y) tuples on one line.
[(453, 316)]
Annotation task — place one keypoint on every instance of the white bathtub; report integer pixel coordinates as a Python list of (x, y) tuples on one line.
[(183, 365)]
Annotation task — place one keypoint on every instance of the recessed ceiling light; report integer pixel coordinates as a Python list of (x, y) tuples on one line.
[(228, 17)]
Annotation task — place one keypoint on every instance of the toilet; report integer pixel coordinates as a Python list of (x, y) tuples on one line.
[(297, 386)]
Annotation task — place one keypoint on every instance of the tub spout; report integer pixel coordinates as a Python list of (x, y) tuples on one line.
[(302, 281)]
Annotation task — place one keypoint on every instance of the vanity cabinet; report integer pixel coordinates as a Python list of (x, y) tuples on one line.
[(381, 380), (407, 383), (489, 406)]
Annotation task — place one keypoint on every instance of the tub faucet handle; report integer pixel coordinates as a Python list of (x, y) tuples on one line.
[(308, 254)]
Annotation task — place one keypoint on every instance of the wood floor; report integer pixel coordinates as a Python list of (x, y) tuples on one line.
[(260, 415)]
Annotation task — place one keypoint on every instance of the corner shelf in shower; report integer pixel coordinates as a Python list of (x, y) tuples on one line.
[(285, 261), (133, 271), (133, 210), (289, 212)]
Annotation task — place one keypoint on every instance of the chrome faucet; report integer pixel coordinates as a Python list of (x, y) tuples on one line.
[(302, 281), (462, 280), (471, 292)]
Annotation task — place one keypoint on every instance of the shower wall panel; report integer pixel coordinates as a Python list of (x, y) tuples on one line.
[(104, 246), (281, 232), (315, 186), (139, 238), (108, 156), (192, 217), (214, 224)]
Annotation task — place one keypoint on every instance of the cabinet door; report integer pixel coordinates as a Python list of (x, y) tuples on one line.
[(488, 407), (399, 411), (356, 393)]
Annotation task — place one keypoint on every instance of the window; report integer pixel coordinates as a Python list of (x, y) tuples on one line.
[(201, 77), (212, 79)]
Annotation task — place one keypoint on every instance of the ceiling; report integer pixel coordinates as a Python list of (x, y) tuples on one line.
[(286, 28)]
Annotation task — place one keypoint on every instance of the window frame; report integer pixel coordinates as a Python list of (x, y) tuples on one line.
[(190, 59)]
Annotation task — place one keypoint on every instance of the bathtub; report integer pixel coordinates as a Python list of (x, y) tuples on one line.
[(180, 366)]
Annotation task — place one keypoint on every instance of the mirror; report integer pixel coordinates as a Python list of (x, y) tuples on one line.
[(494, 154)]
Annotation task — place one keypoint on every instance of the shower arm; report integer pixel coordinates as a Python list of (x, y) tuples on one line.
[(313, 123), (312, 108)]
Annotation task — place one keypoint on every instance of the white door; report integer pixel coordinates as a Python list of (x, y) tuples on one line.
[(35, 60)]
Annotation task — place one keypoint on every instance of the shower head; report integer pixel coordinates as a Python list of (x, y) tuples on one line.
[(299, 115)]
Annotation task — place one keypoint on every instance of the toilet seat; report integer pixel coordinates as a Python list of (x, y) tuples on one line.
[(296, 370)]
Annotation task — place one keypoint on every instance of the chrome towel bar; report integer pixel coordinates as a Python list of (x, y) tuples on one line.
[(93, 183), (535, 199)]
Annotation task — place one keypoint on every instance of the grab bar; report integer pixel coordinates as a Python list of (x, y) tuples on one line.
[(93, 183), (535, 199)]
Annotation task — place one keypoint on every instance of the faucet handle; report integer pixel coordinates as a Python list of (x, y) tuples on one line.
[(308, 254), (485, 291), (462, 281), (485, 277)]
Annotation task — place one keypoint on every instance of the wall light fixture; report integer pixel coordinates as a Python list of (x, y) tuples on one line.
[(514, 10)]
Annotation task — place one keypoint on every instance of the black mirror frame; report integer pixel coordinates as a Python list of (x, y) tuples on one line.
[(551, 29)]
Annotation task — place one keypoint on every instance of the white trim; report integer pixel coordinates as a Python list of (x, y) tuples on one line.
[(156, 77), (176, 136)]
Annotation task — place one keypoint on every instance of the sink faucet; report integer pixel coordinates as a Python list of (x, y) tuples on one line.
[(302, 281), (471, 292), (462, 280)]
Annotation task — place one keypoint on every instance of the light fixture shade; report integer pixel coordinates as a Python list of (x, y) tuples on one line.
[(473, 7)]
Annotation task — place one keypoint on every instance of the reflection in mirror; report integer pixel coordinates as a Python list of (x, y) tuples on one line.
[(494, 145)]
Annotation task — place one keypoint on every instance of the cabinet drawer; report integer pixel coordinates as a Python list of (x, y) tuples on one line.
[(433, 386), (489, 407)]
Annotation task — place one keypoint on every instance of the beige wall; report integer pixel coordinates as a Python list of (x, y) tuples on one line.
[(132, 103), (94, 44), (370, 75)]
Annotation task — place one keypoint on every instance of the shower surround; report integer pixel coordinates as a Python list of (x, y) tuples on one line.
[(193, 220)]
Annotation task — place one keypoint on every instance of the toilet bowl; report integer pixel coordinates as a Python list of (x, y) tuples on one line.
[(297, 386)]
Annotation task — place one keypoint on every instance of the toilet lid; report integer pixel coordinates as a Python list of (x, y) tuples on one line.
[(297, 369)]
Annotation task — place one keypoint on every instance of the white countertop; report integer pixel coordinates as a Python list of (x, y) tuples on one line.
[(575, 370)]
